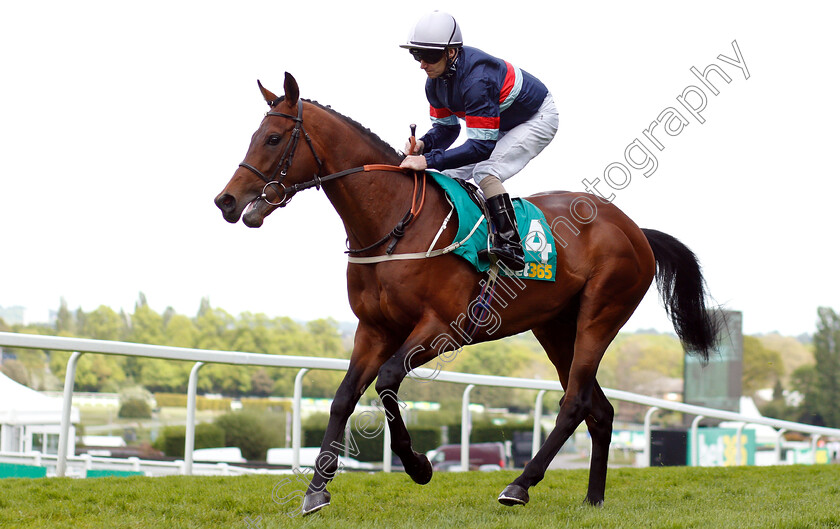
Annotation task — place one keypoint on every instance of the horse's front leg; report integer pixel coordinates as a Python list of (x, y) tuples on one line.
[(366, 360), (415, 352)]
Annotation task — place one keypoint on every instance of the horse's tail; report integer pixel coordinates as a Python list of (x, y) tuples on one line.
[(683, 290)]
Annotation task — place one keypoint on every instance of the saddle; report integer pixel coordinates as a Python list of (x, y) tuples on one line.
[(534, 231)]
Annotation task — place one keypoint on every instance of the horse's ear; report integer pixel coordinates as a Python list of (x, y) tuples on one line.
[(292, 90), (269, 96)]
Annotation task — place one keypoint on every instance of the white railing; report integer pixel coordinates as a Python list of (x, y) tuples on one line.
[(78, 466), (80, 346)]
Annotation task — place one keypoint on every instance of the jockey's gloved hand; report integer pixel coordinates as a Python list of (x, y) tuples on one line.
[(418, 147)]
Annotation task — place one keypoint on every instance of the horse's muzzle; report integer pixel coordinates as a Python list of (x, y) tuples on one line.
[(227, 204)]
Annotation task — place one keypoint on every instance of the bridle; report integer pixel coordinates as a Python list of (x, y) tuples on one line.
[(286, 193), (276, 179)]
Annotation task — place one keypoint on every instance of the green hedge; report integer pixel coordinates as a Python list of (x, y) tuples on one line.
[(178, 400), (172, 438), (249, 431), (135, 409), (256, 404), (171, 400)]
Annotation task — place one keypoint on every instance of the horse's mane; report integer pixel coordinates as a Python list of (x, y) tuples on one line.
[(366, 132)]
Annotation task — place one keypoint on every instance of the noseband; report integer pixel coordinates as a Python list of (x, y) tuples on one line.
[(276, 179)]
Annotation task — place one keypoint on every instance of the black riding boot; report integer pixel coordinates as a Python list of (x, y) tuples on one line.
[(507, 245)]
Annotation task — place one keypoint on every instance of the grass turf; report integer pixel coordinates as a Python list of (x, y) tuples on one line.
[(675, 497)]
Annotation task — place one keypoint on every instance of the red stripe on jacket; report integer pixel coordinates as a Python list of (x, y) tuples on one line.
[(439, 113), (482, 122), (510, 80)]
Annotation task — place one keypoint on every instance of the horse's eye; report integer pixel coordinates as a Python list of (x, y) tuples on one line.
[(274, 139)]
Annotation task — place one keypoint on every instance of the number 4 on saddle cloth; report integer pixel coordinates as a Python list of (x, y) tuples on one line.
[(534, 231)]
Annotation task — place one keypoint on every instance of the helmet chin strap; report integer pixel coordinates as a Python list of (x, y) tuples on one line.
[(451, 65)]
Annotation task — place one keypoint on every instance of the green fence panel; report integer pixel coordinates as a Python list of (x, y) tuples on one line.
[(11, 470)]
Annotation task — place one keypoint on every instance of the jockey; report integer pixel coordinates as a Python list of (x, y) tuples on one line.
[(510, 117)]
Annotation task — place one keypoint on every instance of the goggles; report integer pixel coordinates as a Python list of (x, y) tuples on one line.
[(428, 56)]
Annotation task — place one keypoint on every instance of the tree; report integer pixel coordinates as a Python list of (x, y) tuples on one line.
[(326, 338), (804, 381), (261, 383), (503, 358), (146, 325), (214, 328), (65, 323), (827, 357), (164, 375), (180, 331), (632, 361), (94, 372), (16, 371), (225, 379), (794, 352), (101, 324), (762, 367)]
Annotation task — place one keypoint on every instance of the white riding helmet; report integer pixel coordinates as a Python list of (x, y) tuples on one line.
[(435, 31)]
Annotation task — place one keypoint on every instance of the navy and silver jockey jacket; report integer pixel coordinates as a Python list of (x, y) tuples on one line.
[(490, 94)]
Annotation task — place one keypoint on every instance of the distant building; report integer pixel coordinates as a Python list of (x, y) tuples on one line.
[(18, 315), (30, 421)]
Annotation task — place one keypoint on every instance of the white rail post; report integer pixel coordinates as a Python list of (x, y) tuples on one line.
[(466, 426), (695, 441), (815, 437), (67, 407), (647, 452), (738, 434), (387, 454), (778, 448), (189, 442), (296, 419), (536, 441)]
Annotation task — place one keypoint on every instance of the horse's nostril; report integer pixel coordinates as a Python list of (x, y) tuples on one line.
[(226, 202)]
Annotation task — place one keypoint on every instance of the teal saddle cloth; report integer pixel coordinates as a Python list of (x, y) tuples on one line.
[(534, 231)]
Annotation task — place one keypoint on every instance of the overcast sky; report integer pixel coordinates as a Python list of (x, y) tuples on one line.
[(120, 122)]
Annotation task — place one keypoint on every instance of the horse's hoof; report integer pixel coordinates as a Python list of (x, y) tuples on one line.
[(514, 495), (315, 501), (422, 473), (593, 502)]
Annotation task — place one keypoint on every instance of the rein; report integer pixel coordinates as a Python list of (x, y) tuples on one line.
[(285, 193), (399, 230)]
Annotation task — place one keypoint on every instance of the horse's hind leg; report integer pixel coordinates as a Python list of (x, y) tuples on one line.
[(602, 313), (558, 341), (557, 338), (599, 422)]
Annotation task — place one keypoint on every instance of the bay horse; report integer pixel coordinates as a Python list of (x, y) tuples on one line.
[(405, 307)]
